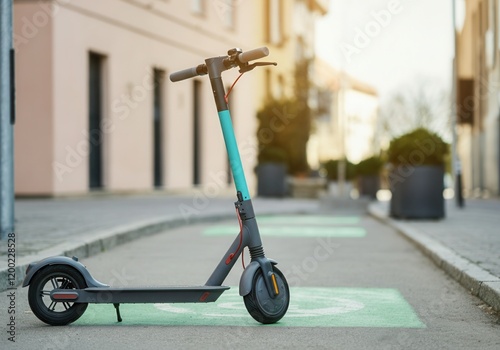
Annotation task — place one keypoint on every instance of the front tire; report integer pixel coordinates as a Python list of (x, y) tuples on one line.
[(260, 305), (50, 278)]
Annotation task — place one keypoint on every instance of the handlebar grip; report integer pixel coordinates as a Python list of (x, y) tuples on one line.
[(254, 54), (188, 73)]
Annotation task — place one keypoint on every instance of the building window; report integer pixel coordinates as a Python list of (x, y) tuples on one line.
[(158, 111), (274, 14), (198, 6), (197, 108), (95, 106)]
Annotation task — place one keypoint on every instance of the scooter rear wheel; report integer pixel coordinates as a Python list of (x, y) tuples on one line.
[(50, 278), (260, 305)]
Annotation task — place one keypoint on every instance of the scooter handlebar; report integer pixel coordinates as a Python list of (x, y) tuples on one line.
[(201, 69), (188, 73), (254, 54)]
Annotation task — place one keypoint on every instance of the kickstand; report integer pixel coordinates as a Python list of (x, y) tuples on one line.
[(117, 307)]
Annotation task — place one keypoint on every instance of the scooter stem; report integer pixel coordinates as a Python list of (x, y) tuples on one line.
[(250, 231), (215, 67)]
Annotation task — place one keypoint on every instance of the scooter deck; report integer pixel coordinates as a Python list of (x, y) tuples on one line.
[(141, 295)]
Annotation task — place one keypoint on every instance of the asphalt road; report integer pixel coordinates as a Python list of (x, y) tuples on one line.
[(355, 284)]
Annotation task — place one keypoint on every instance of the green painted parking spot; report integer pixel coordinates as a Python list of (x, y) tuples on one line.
[(309, 307), (299, 226), (309, 220), (291, 231)]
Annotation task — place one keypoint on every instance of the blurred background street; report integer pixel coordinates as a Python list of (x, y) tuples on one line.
[(375, 140)]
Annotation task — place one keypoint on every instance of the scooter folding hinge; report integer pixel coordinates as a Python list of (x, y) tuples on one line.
[(244, 213), (241, 210), (244, 208)]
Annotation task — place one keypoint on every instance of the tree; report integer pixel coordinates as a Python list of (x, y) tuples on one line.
[(283, 131), (425, 105), (286, 124)]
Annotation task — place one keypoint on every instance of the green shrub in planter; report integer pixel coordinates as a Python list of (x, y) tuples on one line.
[(370, 166), (272, 154), (271, 172), (332, 167), (368, 174), (335, 188), (419, 147), (285, 125), (417, 175)]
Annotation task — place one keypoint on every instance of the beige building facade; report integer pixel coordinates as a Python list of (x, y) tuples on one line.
[(478, 97), (97, 112), (288, 29), (95, 108)]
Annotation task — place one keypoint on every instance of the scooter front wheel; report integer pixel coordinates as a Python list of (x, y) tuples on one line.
[(260, 305), (50, 278)]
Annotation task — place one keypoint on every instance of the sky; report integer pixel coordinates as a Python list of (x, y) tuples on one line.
[(390, 44)]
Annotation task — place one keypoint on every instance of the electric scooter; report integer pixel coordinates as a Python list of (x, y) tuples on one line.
[(60, 288)]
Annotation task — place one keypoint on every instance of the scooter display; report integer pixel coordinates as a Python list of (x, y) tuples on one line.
[(60, 288)]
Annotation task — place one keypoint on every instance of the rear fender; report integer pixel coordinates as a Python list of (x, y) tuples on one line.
[(34, 267)]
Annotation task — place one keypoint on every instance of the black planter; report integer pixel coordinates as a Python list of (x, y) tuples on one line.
[(368, 186), (271, 180), (417, 192)]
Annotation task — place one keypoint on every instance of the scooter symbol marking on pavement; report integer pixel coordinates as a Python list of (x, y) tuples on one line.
[(309, 307), (339, 306)]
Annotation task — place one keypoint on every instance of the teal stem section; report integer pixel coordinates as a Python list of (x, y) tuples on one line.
[(233, 154)]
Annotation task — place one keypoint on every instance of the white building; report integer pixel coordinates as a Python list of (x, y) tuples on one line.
[(347, 123)]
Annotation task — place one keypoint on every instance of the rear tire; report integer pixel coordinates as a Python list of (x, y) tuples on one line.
[(50, 278), (260, 305)]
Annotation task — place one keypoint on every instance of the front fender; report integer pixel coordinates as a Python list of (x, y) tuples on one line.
[(247, 276), (34, 267)]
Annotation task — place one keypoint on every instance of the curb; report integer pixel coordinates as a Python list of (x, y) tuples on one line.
[(478, 281)]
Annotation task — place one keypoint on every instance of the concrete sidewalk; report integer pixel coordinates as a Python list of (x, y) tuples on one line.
[(466, 243)]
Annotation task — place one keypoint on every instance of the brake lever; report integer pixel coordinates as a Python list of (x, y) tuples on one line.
[(249, 67)]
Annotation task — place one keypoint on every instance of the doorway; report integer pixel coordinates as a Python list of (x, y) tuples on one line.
[(158, 76), (95, 118)]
